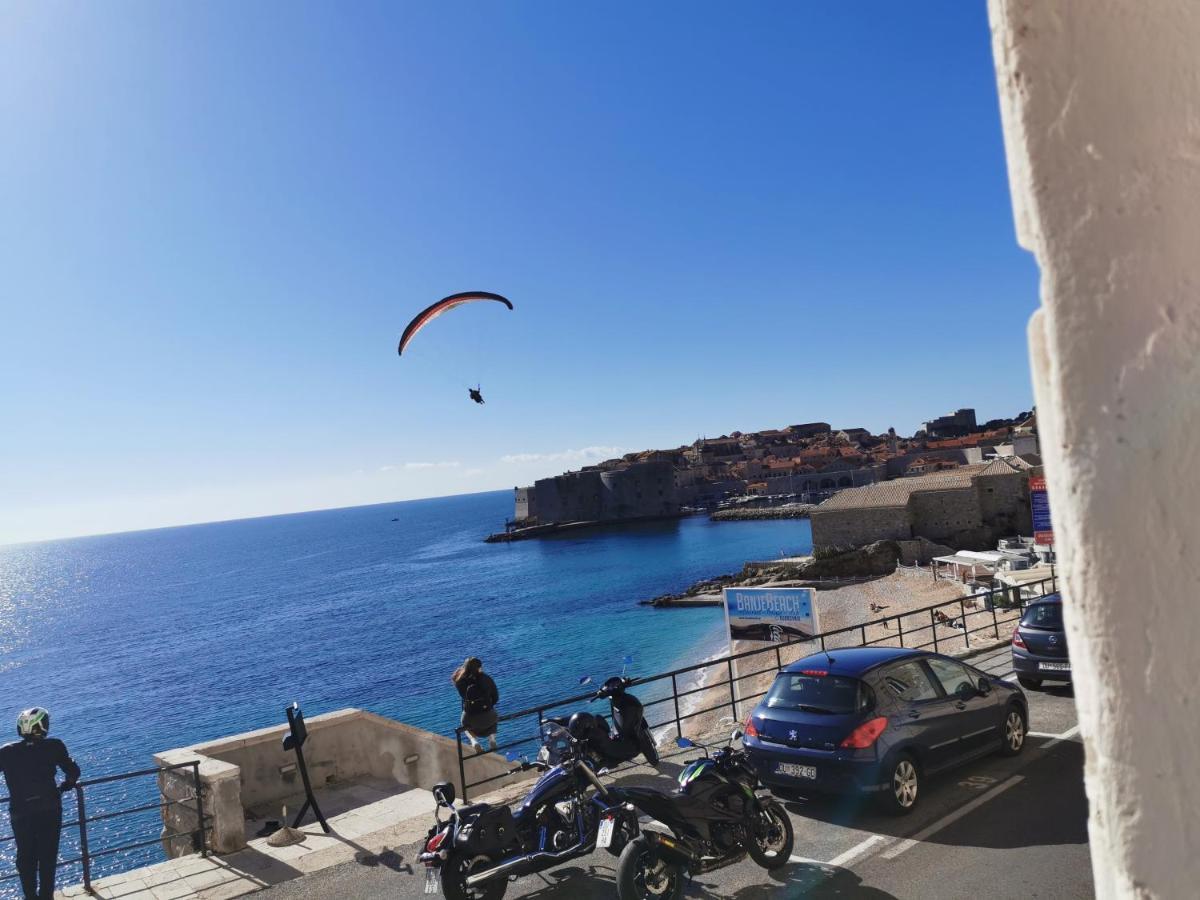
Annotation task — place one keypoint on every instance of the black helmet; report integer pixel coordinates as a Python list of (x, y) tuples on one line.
[(33, 722), (581, 725)]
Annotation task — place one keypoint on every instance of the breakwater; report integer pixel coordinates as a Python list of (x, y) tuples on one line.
[(791, 511)]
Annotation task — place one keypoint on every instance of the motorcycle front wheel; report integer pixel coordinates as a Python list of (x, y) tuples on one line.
[(454, 879), (643, 875), (771, 837)]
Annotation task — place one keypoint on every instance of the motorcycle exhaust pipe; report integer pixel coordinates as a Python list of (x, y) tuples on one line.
[(514, 864), (671, 850)]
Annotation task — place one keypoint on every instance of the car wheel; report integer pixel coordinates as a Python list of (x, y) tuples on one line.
[(1033, 684), (902, 786), (1016, 729)]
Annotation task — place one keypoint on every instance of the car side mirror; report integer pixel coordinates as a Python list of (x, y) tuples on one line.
[(443, 793), (985, 687), (966, 691)]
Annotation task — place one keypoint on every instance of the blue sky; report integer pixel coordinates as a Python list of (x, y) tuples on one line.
[(215, 220)]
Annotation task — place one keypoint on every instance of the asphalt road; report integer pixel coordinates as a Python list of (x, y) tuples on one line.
[(997, 828)]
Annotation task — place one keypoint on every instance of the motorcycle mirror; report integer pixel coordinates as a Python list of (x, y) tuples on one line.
[(736, 736), (443, 793), (683, 742)]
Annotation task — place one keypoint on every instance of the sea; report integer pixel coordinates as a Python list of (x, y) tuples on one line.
[(150, 640)]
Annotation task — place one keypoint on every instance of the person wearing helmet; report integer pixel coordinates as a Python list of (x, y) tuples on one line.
[(30, 768)]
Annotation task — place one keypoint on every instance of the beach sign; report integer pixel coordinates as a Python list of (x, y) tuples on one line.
[(777, 614)]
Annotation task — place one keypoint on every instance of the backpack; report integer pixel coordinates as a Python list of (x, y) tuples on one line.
[(476, 700)]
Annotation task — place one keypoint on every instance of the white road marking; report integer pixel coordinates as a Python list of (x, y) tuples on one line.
[(1054, 738), (859, 851), (951, 818), (855, 853), (1059, 738)]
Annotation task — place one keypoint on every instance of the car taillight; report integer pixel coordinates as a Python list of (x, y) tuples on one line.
[(1018, 641), (750, 730), (820, 673), (865, 734), (436, 841)]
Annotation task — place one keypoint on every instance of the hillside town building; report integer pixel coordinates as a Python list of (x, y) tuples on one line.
[(810, 462)]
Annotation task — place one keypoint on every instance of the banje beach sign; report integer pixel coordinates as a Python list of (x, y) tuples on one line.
[(775, 614)]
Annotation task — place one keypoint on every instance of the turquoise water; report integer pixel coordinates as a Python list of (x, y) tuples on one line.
[(150, 640)]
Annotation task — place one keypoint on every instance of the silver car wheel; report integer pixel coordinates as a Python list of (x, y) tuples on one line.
[(904, 783), (1014, 731)]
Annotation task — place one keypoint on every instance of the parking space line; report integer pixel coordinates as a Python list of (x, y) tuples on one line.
[(1059, 738), (951, 818), (859, 850)]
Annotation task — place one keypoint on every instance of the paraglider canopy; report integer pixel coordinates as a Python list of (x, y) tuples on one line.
[(444, 305)]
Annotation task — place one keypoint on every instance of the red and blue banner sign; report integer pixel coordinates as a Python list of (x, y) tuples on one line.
[(1039, 500)]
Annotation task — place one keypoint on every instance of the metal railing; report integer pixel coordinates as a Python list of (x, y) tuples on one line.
[(996, 607), (82, 820)]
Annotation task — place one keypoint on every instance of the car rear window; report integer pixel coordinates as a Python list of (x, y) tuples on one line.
[(818, 693), (1043, 615)]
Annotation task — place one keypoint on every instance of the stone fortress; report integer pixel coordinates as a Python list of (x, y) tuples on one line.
[(943, 483)]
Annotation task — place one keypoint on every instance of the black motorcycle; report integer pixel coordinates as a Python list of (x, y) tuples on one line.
[(472, 855), (717, 816), (630, 733)]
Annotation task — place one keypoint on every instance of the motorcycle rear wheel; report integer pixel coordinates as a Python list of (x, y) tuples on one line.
[(643, 875), (771, 837), (646, 744), (454, 879)]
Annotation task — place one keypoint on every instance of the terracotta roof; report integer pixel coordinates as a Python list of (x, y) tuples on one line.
[(896, 493)]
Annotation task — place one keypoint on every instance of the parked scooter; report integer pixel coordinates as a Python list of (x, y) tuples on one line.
[(718, 814), (630, 733), (472, 855)]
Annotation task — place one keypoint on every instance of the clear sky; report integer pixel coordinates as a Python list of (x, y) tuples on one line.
[(216, 218)]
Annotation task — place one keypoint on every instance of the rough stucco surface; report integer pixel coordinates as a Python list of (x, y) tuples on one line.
[(1101, 109)]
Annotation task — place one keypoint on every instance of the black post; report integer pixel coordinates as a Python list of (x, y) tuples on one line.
[(295, 741), (778, 657), (675, 697), (933, 628), (962, 611), (732, 692), (84, 858), (900, 628), (462, 766), (198, 842), (863, 628)]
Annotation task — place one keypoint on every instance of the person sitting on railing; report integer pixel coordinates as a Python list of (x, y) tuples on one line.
[(30, 769), (479, 698)]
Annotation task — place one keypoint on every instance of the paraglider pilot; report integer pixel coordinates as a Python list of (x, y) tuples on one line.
[(475, 395), (29, 766)]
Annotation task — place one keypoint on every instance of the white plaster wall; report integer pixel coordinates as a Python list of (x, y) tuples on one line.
[(1100, 103)]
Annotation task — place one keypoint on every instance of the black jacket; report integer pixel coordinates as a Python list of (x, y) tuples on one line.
[(484, 680), (29, 768)]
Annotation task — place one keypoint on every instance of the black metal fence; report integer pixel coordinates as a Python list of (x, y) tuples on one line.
[(86, 854), (671, 693)]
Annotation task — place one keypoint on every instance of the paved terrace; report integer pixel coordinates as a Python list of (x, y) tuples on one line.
[(1000, 827)]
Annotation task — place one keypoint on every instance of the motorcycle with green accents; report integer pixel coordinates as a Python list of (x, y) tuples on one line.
[(719, 813)]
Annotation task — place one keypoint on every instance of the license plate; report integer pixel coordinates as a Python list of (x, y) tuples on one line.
[(1054, 667), (796, 771), (604, 835), (433, 880)]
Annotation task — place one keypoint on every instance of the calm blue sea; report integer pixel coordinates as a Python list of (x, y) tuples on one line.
[(146, 641)]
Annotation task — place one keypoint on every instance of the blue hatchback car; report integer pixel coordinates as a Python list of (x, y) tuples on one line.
[(1039, 644), (879, 720)]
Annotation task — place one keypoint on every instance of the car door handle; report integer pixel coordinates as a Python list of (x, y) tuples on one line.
[(914, 714), (960, 705)]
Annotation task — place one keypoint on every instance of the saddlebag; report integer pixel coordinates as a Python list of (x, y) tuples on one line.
[(486, 830)]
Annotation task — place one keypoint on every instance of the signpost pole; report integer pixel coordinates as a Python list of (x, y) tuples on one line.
[(295, 741)]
